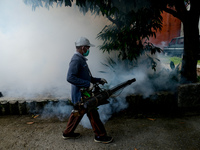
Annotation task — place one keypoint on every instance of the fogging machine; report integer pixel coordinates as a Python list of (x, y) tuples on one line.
[(98, 96)]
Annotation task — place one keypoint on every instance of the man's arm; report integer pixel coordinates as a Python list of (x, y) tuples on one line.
[(72, 75)]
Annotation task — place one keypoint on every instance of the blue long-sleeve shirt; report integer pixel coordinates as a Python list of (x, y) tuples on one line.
[(79, 76)]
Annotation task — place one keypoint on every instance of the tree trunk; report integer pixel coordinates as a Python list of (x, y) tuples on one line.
[(191, 48)]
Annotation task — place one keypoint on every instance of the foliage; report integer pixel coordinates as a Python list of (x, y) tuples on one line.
[(172, 76), (131, 25), (175, 74), (189, 13), (198, 78), (131, 48), (130, 28), (129, 38)]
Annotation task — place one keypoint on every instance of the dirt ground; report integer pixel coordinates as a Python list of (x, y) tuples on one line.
[(130, 133)]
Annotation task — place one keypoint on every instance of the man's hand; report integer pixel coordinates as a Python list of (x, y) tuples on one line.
[(91, 86), (103, 81)]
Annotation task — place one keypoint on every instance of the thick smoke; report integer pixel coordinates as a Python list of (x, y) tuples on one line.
[(60, 110), (147, 82), (36, 48)]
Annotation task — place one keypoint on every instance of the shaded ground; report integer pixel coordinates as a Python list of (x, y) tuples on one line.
[(143, 133)]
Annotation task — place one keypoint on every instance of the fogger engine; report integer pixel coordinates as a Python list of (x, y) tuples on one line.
[(98, 96)]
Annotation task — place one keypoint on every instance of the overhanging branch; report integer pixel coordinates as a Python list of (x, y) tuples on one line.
[(173, 12), (117, 23)]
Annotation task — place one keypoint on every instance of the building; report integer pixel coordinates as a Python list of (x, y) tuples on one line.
[(171, 28)]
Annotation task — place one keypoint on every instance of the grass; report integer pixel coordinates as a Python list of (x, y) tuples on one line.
[(176, 60)]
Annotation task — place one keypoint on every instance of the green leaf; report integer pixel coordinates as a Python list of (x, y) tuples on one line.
[(172, 66)]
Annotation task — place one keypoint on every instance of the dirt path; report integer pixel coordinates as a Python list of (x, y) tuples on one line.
[(129, 134)]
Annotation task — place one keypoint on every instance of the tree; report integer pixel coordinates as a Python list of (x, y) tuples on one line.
[(131, 25), (190, 20), (135, 20), (178, 8), (129, 32)]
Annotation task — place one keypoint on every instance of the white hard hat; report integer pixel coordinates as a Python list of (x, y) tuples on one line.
[(82, 41)]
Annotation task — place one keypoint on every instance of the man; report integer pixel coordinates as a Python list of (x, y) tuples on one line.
[(80, 77)]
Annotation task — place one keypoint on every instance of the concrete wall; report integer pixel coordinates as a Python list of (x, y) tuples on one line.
[(187, 96)]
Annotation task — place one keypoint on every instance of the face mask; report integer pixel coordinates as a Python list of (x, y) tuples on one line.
[(86, 53)]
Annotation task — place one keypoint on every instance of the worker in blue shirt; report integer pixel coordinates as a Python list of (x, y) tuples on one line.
[(80, 76)]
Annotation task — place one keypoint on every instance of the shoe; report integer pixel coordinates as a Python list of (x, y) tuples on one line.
[(103, 139), (71, 136)]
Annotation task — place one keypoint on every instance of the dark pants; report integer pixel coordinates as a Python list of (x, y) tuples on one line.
[(95, 121)]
